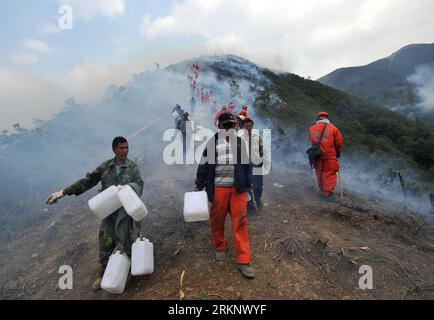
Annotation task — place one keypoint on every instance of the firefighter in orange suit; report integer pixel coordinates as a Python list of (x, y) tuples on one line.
[(331, 146)]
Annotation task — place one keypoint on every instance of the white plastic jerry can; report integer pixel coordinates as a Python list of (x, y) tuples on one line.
[(142, 257), (132, 203), (116, 273), (196, 206), (105, 203)]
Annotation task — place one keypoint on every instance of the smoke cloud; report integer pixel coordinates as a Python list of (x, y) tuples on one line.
[(423, 79)]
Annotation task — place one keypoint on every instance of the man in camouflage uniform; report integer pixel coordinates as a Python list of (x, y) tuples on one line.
[(117, 231)]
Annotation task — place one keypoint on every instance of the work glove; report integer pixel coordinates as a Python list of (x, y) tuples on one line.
[(55, 196)]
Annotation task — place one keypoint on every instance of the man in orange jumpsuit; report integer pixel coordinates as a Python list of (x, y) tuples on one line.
[(225, 173), (331, 146)]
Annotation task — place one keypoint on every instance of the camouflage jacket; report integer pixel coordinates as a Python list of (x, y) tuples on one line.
[(106, 173)]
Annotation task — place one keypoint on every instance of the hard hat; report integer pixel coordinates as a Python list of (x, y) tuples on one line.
[(322, 114)]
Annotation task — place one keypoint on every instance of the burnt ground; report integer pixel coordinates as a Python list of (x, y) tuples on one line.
[(302, 247)]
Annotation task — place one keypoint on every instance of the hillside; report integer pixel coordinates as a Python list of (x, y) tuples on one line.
[(301, 246), (368, 128), (397, 81)]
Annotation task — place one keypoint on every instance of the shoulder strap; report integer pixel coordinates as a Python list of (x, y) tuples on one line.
[(322, 133)]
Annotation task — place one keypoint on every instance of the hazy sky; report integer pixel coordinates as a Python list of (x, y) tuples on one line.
[(41, 65)]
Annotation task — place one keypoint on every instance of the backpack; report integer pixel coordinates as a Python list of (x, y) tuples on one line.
[(314, 152)]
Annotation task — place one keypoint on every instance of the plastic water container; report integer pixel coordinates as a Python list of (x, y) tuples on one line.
[(132, 203), (142, 257), (105, 203), (116, 273), (196, 206)]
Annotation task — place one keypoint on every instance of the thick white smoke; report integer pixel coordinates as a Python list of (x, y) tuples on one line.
[(423, 79)]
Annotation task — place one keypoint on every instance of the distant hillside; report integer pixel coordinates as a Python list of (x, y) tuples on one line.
[(398, 81)]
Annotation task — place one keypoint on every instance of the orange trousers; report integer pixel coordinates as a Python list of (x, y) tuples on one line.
[(229, 200), (326, 170)]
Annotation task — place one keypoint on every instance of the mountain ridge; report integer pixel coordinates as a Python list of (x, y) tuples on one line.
[(388, 81)]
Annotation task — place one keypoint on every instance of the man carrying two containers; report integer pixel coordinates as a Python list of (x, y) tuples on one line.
[(119, 230)]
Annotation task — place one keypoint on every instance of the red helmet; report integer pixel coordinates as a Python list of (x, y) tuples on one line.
[(322, 114)]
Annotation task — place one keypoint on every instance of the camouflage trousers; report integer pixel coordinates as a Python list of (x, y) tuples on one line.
[(117, 232)]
